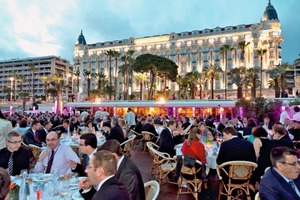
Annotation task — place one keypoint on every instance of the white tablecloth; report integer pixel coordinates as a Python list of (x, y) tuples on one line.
[(211, 157)]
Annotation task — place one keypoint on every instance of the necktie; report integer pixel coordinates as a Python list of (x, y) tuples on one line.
[(87, 158), (292, 184), (50, 162), (10, 164)]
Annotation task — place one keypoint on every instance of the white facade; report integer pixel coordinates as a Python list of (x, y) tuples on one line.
[(191, 51)]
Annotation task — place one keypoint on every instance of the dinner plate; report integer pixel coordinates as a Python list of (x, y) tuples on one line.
[(77, 196), (43, 178)]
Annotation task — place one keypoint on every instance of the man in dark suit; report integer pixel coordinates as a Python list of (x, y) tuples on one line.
[(101, 172), (116, 131), (282, 180), (169, 138), (31, 135), (18, 154), (281, 137), (139, 125), (66, 128), (234, 148), (266, 124), (87, 146), (127, 172), (42, 133), (148, 126)]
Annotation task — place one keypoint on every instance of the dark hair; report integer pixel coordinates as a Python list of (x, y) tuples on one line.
[(34, 122), (296, 109), (278, 154), (251, 122), (89, 139), (229, 130), (66, 121), (4, 183), (107, 123), (113, 146), (260, 132), (23, 123)]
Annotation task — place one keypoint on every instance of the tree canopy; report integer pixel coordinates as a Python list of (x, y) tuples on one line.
[(156, 66)]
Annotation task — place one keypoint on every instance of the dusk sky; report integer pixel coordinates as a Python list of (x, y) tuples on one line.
[(31, 28)]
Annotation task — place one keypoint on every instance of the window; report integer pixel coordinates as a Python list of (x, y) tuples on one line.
[(194, 68)]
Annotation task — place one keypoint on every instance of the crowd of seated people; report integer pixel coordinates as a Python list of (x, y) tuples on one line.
[(45, 129)]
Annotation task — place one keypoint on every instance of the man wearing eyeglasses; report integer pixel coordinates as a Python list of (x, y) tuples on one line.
[(14, 157), (282, 180), (101, 172)]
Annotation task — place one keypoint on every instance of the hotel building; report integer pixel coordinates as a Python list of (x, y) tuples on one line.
[(191, 51), (45, 66)]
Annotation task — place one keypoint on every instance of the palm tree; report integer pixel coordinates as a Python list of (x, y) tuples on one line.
[(212, 73), (224, 51), (33, 70), (116, 55), (252, 79), (283, 67), (141, 78), (237, 77), (275, 74), (57, 83), (77, 74), (45, 79), (242, 45), (191, 79), (87, 74), (100, 77), (179, 81), (126, 70), (110, 54), (261, 52)]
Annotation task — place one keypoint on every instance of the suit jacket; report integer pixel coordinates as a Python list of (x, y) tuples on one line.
[(274, 187), (20, 159), (150, 128), (65, 130), (284, 141), (236, 149), (116, 133), (42, 135), (111, 189), (167, 142), (129, 175), (80, 168), (220, 127), (29, 138)]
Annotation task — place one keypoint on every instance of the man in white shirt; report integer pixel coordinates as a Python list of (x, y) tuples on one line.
[(130, 118), (296, 116), (285, 115), (56, 158)]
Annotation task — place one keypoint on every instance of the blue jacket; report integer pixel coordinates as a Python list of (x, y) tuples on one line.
[(274, 187)]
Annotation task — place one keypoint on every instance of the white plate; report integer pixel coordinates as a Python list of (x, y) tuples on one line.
[(43, 178), (77, 196)]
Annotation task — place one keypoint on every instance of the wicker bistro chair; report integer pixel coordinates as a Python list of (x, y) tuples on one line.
[(36, 151), (148, 137), (127, 145), (235, 176), (163, 164), (153, 170), (138, 141), (188, 174), (151, 189)]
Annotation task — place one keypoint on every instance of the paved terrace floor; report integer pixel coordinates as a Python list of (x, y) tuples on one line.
[(168, 191)]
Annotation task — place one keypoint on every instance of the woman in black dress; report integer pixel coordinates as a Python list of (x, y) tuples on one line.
[(262, 146)]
